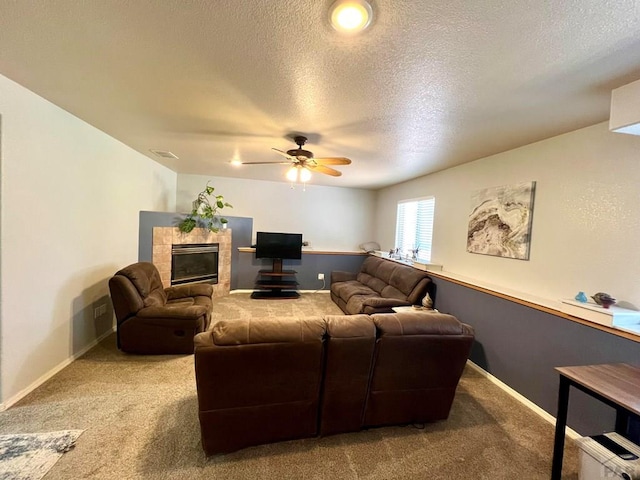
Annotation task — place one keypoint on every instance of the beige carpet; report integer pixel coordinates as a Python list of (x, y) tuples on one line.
[(140, 419)]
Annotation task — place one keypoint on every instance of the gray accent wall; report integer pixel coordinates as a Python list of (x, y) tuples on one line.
[(244, 265), (307, 268), (521, 346)]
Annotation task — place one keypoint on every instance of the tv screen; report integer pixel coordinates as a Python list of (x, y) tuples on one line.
[(278, 245)]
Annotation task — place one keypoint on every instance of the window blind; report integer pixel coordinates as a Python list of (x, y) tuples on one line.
[(414, 226)]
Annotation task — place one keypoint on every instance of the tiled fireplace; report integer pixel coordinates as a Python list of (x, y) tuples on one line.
[(165, 237)]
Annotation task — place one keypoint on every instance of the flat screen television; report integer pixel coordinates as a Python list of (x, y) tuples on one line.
[(278, 245)]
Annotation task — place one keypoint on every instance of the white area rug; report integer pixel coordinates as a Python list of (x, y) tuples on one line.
[(29, 456)]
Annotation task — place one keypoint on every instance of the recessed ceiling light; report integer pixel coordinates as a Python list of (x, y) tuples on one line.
[(350, 16)]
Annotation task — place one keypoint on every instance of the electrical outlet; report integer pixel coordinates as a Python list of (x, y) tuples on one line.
[(99, 310), (321, 276)]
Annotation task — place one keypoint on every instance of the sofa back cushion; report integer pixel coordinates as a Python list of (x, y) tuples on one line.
[(135, 287), (419, 323), (393, 280), (146, 279), (267, 330)]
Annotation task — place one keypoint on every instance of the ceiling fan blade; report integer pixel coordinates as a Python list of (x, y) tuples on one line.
[(265, 163), (332, 161), (325, 170), (284, 154)]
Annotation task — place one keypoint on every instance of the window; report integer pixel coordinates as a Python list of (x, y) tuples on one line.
[(414, 227)]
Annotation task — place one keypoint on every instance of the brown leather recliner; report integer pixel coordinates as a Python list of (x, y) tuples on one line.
[(152, 319), (419, 359), (258, 381)]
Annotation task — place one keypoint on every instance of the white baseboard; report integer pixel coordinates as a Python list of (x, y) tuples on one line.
[(522, 399), (26, 391)]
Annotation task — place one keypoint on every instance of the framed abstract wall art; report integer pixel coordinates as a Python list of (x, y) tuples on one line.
[(500, 221)]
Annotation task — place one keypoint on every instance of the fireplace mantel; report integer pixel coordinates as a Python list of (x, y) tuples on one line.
[(165, 237)]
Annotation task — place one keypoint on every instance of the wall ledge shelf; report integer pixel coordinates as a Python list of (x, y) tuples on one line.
[(613, 316), (310, 251), (552, 307)]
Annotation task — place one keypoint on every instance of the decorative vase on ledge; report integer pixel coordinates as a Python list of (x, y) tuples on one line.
[(604, 299)]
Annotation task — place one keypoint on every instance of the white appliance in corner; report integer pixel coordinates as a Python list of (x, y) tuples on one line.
[(608, 456)]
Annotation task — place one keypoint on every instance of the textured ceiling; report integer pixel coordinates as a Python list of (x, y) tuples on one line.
[(430, 85)]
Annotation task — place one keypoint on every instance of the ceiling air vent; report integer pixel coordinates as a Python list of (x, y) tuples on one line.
[(163, 154)]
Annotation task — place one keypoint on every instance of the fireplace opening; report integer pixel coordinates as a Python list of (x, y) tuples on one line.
[(194, 263)]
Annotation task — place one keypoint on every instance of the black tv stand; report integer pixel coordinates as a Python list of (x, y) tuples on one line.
[(276, 283)]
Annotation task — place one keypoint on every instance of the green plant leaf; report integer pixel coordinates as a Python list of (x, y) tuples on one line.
[(204, 212), (187, 225)]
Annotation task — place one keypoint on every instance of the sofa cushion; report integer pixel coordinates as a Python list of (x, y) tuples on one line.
[(145, 277), (346, 290), (356, 303), (374, 283), (350, 326), (268, 330), (418, 323)]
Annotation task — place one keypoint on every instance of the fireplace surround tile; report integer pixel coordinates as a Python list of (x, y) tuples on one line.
[(165, 237)]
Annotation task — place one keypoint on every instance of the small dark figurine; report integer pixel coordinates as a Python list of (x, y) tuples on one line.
[(603, 299)]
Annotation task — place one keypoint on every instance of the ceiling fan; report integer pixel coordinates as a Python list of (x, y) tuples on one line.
[(302, 162)]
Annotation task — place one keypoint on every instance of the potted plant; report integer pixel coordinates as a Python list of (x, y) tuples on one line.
[(205, 212)]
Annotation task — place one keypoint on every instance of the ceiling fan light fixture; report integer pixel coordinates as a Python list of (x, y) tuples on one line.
[(292, 174), (305, 175), (350, 16)]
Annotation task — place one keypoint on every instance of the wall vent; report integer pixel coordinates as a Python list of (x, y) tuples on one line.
[(163, 154)]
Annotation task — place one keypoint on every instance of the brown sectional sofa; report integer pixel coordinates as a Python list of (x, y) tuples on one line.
[(379, 286), (264, 380)]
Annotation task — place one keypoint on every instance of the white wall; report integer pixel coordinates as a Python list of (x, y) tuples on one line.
[(70, 199), (586, 219), (330, 218)]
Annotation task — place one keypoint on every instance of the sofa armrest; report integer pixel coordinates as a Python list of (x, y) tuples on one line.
[(203, 340), (380, 302), (340, 276), (191, 290), (468, 330)]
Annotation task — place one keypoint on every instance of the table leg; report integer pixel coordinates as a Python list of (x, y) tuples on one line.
[(622, 422), (561, 423)]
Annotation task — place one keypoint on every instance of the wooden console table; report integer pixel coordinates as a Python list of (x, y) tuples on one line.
[(615, 384)]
